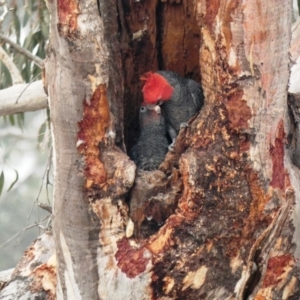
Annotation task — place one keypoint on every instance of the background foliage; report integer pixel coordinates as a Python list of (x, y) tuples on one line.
[(26, 22), (24, 138)]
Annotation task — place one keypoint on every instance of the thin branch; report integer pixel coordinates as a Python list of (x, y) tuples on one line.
[(46, 207), (33, 98), (14, 72), (22, 232), (5, 10), (39, 62), (36, 201), (49, 164), (32, 80)]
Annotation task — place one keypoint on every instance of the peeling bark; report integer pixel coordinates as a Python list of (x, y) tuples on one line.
[(235, 220), (35, 275), (218, 220), (237, 202), (80, 73)]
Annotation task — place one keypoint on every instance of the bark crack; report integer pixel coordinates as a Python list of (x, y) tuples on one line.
[(256, 267), (98, 5), (159, 34)]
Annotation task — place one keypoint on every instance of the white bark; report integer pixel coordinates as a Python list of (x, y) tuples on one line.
[(5, 277), (35, 275), (14, 72), (294, 83), (31, 97)]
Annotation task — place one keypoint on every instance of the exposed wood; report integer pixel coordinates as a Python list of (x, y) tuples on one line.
[(96, 88), (22, 98), (13, 70), (179, 38), (155, 35), (223, 204), (231, 235), (84, 83), (150, 206), (35, 275)]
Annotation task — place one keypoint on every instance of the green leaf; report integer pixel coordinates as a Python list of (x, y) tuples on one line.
[(45, 30), (1, 182), (36, 73), (28, 41), (41, 133), (13, 183), (48, 116), (298, 7), (20, 120), (26, 71), (31, 5), (17, 24), (19, 60), (26, 18), (5, 77), (41, 51), (12, 120), (37, 37)]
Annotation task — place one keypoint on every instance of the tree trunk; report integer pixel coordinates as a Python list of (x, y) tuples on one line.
[(224, 203), (35, 275)]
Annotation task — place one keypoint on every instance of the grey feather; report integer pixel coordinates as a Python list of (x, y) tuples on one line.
[(187, 99), (152, 146)]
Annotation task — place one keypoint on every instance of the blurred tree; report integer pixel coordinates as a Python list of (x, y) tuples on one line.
[(26, 22), (24, 29)]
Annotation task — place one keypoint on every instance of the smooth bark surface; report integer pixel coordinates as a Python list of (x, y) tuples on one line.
[(15, 74), (23, 98)]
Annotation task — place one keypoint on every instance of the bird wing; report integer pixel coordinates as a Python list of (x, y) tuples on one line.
[(197, 94), (134, 153)]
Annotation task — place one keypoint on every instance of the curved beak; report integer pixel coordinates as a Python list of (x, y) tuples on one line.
[(151, 106), (157, 109)]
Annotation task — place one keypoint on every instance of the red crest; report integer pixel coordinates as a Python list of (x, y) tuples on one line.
[(156, 88)]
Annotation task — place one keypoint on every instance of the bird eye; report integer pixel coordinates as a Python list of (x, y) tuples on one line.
[(142, 109)]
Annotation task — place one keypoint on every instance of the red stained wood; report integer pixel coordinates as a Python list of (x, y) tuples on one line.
[(132, 261), (275, 269), (96, 119), (277, 154), (67, 14), (239, 112)]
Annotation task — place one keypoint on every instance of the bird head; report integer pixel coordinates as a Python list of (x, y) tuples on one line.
[(156, 88), (150, 116)]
